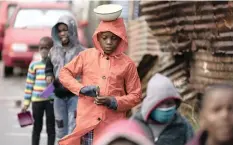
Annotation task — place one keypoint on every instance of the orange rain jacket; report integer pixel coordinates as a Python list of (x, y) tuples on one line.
[(116, 75)]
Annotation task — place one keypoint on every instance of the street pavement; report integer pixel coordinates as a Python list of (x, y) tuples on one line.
[(11, 90)]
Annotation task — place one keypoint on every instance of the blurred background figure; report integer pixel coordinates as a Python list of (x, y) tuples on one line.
[(124, 132), (35, 85), (65, 48), (216, 116)]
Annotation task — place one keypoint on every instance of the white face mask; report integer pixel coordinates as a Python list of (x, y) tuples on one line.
[(36, 56), (44, 53)]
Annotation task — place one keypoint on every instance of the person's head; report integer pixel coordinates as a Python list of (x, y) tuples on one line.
[(124, 132), (63, 33), (162, 100), (110, 37), (108, 41), (216, 113), (45, 45), (122, 141)]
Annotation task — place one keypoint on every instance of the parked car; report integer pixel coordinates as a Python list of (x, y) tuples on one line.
[(7, 8), (29, 23)]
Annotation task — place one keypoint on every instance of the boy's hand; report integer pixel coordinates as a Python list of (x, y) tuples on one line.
[(107, 101), (25, 108), (49, 79), (103, 100), (91, 91)]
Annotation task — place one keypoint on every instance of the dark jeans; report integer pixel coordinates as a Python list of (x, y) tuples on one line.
[(38, 109)]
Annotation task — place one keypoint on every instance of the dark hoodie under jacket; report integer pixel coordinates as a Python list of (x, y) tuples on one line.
[(58, 56)]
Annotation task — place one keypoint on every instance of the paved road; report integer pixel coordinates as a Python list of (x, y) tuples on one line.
[(11, 90)]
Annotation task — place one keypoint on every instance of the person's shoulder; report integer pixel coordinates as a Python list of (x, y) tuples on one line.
[(180, 119), (127, 59), (35, 62), (87, 51), (137, 115), (53, 48)]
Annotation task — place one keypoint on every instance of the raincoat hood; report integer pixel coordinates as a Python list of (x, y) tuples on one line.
[(127, 129), (72, 30), (159, 88), (118, 28)]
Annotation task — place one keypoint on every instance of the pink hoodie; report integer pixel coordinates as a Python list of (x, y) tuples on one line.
[(128, 129)]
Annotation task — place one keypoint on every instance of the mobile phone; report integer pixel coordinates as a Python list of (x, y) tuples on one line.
[(97, 91)]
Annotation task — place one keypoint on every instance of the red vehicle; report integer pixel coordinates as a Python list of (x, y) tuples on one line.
[(6, 10), (29, 23)]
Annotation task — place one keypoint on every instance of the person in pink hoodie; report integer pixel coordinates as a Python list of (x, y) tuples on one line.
[(124, 132), (115, 74)]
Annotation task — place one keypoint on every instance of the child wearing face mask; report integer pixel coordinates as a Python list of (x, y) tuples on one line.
[(159, 116), (35, 85)]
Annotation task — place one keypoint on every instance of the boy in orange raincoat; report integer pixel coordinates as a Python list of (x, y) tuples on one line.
[(116, 75)]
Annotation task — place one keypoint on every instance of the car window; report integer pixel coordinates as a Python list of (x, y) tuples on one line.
[(35, 18), (10, 11)]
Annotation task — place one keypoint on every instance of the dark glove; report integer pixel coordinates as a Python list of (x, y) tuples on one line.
[(108, 101), (89, 91)]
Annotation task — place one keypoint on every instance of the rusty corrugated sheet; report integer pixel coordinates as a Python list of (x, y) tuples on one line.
[(209, 69), (174, 68), (140, 39), (188, 25), (168, 29)]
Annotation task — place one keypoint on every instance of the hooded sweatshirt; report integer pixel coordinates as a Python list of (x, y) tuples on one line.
[(178, 130), (124, 129), (115, 74), (58, 55)]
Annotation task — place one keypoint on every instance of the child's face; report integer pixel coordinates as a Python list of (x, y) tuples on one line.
[(108, 41), (63, 33), (217, 115), (44, 47)]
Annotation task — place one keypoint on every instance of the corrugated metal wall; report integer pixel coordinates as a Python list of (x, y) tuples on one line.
[(188, 25), (195, 39)]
